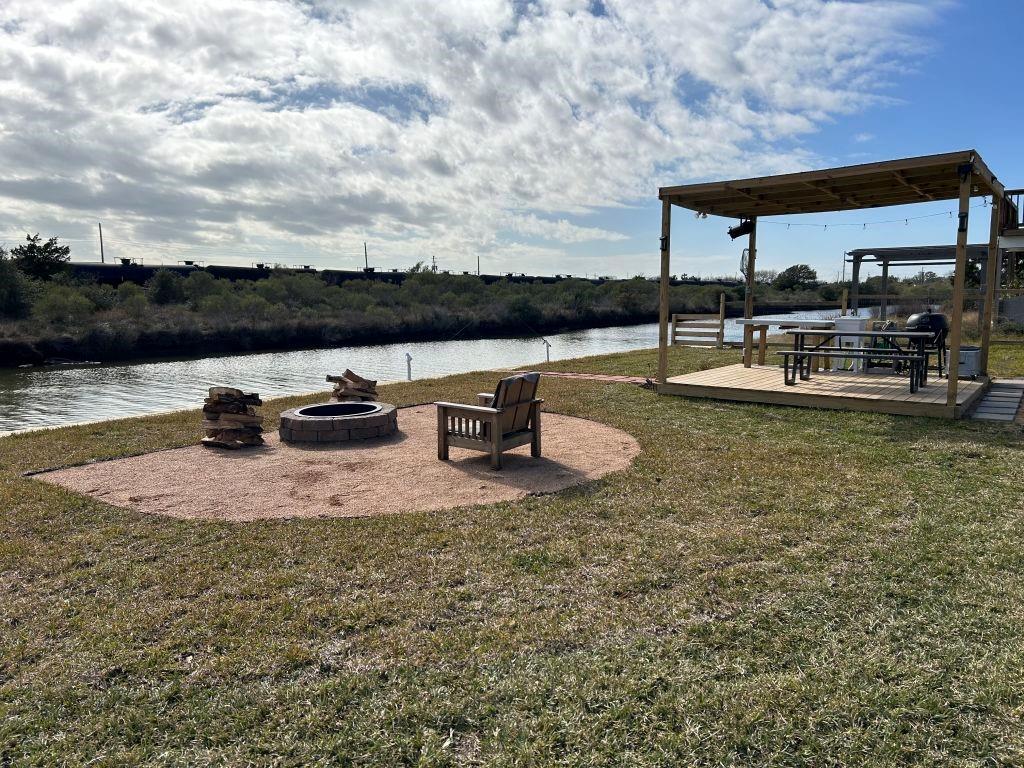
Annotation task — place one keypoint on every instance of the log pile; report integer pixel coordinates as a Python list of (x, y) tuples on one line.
[(230, 418), (352, 386)]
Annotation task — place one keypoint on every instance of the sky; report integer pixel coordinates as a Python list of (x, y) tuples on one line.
[(531, 135)]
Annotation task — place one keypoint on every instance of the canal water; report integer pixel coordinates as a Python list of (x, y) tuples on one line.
[(55, 395)]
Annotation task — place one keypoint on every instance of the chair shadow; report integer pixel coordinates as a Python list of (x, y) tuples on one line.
[(519, 471)]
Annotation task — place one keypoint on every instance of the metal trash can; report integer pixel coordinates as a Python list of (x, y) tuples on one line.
[(970, 362)]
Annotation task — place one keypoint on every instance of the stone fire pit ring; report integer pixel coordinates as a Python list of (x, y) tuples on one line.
[(338, 422)]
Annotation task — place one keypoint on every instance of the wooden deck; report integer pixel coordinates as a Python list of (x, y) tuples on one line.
[(877, 393)]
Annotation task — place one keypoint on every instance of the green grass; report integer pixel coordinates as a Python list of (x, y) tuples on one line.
[(764, 586)]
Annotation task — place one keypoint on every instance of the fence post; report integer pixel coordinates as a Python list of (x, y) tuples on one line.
[(408, 366), (721, 320)]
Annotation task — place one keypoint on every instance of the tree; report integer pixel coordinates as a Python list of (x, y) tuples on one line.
[(41, 260), (14, 290), (799, 277)]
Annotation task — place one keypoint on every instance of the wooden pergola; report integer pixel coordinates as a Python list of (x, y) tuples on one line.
[(951, 176), (918, 256)]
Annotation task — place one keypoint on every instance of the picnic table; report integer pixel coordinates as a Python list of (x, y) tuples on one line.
[(912, 352), (760, 325)]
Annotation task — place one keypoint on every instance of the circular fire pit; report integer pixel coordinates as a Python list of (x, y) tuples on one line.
[(338, 422)]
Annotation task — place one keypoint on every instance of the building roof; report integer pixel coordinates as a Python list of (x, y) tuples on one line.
[(871, 185)]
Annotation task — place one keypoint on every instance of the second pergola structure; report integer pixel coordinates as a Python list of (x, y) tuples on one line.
[(951, 176)]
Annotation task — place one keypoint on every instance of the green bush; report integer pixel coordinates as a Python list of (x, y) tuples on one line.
[(200, 285), (103, 297), (61, 304), (136, 306), (166, 287), (15, 291), (127, 290)]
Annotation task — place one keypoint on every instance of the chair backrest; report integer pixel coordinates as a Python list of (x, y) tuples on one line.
[(513, 397)]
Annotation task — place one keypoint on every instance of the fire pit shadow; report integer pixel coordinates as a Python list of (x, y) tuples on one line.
[(395, 438)]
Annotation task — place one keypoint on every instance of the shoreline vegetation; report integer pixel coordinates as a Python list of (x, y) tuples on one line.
[(46, 314)]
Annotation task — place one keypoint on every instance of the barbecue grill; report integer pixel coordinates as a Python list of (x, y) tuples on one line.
[(936, 323), (928, 321)]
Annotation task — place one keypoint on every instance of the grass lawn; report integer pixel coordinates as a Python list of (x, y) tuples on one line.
[(765, 585)]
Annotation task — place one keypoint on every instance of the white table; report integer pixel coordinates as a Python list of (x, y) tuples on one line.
[(782, 322)]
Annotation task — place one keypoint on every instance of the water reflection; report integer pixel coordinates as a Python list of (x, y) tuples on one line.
[(52, 396)]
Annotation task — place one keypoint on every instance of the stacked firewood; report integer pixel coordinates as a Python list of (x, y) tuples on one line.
[(351, 386), (230, 418)]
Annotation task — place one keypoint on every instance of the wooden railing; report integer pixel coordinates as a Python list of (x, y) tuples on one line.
[(1015, 197), (707, 330)]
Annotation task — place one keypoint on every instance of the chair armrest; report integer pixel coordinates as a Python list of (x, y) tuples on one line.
[(473, 410), (484, 398)]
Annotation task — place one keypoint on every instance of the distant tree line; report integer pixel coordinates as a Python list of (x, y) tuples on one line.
[(45, 311)]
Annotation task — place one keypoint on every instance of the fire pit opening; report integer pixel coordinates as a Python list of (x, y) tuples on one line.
[(339, 409), (338, 422)]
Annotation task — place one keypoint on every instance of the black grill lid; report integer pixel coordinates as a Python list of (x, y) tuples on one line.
[(928, 321)]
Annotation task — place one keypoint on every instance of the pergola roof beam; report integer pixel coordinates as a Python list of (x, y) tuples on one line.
[(870, 185), (900, 177)]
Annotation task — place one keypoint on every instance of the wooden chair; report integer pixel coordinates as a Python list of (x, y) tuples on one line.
[(502, 421)]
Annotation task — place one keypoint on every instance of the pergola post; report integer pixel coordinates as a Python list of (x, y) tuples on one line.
[(663, 308), (855, 287), (991, 280), (748, 295), (883, 311), (956, 322)]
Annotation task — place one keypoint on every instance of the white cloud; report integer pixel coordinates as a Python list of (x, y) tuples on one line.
[(452, 125), (560, 231)]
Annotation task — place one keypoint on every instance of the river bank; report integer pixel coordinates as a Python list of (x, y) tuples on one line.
[(111, 344), (56, 395)]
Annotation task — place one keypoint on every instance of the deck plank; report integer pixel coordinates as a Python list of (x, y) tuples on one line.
[(880, 393)]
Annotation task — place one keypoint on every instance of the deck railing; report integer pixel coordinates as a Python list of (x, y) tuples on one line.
[(1015, 197)]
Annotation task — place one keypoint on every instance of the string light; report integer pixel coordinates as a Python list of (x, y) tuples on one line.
[(864, 224)]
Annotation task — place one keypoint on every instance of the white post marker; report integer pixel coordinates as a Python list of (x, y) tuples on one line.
[(547, 350), (408, 366)]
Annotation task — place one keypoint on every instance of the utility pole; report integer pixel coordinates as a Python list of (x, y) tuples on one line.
[(433, 263), (366, 258), (478, 263), (100, 225)]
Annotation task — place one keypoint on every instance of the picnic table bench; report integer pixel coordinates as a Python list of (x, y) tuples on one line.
[(797, 361)]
